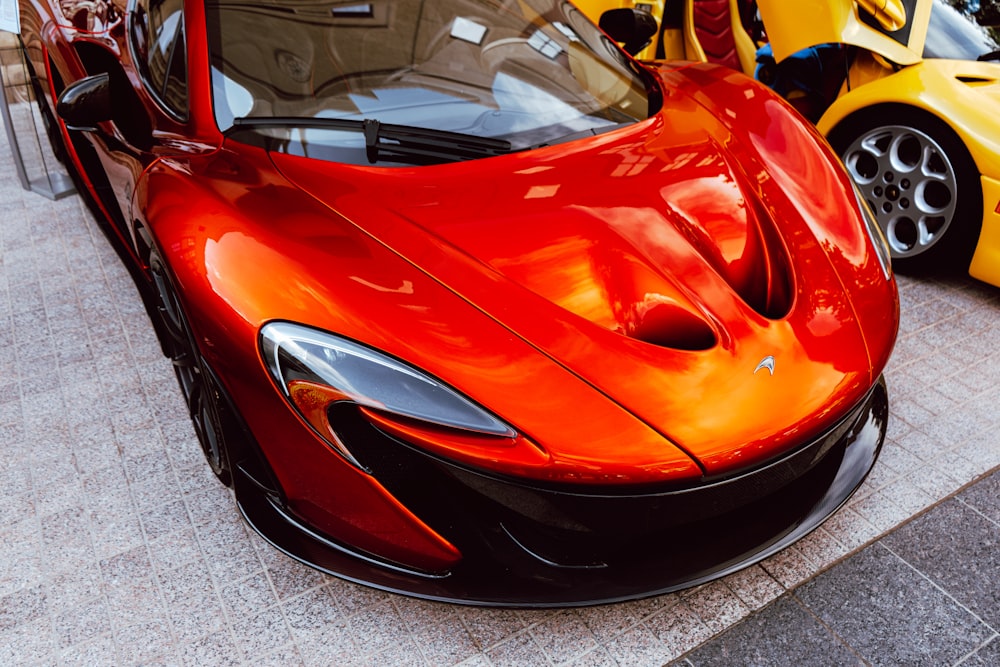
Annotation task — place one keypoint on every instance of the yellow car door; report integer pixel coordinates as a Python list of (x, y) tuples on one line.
[(894, 29)]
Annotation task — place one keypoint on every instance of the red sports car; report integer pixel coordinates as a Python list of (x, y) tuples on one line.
[(469, 305)]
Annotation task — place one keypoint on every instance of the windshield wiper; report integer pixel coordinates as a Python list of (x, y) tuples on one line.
[(992, 55), (401, 143), (582, 134)]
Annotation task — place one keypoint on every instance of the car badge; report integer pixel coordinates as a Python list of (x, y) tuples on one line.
[(767, 362)]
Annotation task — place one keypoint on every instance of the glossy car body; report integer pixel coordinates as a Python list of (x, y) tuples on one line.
[(916, 88), (545, 364)]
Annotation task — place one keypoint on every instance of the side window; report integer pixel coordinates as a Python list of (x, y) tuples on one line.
[(156, 31)]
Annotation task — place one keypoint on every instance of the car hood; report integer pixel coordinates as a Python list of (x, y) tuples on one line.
[(676, 267)]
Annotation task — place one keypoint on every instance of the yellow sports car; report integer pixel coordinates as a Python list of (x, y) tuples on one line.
[(906, 91)]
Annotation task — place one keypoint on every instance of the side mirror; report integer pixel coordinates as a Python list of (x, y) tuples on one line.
[(890, 14), (85, 103), (631, 27)]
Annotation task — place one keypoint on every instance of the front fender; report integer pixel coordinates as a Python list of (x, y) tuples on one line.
[(963, 94)]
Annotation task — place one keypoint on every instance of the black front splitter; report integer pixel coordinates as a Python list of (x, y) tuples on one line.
[(526, 546)]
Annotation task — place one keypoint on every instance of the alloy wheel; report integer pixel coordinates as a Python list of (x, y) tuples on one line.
[(198, 386), (910, 184)]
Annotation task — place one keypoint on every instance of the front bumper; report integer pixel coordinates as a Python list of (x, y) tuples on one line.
[(527, 545)]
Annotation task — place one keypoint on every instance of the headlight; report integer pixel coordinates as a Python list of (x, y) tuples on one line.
[(315, 370), (875, 233)]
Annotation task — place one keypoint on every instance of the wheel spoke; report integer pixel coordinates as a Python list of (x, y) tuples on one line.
[(183, 360), (933, 164)]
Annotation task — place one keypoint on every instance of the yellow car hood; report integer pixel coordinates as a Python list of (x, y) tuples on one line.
[(793, 25)]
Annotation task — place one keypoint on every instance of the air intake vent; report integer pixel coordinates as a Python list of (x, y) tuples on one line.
[(741, 242), (668, 325), (976, 80), (768, 285)]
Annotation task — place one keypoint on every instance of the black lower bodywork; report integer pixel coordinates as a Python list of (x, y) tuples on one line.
[(528, 545)]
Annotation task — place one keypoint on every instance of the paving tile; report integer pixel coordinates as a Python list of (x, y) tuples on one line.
[(126, 567), (186, 585), (879, 510), (137, 601), (716, 605), (78, 625), (349, 598), (260, 633), (889, 614), (191, 622), (489, 627), (678, 628), (788, 567), (754, 586), (783, 633), (984, 497), (376, 628), (403, 653), (517, 651), (74, 588), (14, 507), (216, 649), (99, 651), (599, 657), (985, 656), (821, 548), (638, 647), (174, 549), (959, 550), (23, 606), (165, 518), (850, 529), (418, 613), (606, 621), (329, 644), (290, 577), (285, 656), (446, 643), (248, 596), (31, 643), (564, 637), (310, 615)]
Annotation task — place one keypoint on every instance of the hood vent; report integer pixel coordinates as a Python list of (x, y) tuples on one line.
[(660, 322), (739, 238), (767, 287)]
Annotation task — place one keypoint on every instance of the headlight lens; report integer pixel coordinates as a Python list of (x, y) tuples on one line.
[(316, 369), (875, 234)]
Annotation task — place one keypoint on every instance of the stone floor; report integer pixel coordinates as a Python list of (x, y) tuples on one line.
[(117, 545)]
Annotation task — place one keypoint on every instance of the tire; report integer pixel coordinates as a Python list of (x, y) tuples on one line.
[(199, 385), (920, 182)]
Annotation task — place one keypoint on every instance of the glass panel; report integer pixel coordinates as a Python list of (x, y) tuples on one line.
[(526, 71)]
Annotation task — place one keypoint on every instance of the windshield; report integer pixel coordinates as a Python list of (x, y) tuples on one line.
[(963, 29), (528, 72)]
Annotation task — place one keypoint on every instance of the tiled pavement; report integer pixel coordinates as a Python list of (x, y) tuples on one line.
[(117, 546)]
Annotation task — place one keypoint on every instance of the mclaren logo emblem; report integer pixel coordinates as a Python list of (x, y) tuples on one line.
[(768, 363)]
